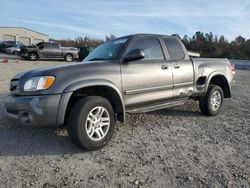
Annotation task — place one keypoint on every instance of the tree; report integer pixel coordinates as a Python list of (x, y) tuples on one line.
[(110, 37), (240, 40), (207, 44)]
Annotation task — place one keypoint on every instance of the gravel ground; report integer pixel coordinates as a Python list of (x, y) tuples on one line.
[(176, 147)]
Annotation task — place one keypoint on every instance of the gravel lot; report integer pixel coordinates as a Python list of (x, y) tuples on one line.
[(176, 147)]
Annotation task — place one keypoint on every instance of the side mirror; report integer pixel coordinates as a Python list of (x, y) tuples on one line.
[(134, 55)]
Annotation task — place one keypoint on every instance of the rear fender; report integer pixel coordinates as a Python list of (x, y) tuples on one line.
[(211, 76)]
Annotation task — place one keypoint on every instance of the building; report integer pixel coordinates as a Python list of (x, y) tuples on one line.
[(23, 35)]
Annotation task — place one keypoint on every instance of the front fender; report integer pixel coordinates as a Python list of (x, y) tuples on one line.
[(68, 91)]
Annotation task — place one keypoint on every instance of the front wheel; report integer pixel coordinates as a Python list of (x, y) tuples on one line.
[(211, 103), (69, 58), (32, 56), (91, 123)]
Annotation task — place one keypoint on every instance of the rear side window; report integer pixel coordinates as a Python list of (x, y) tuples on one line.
[(54, 46), (45, 45), (151, 47), (175, 49)]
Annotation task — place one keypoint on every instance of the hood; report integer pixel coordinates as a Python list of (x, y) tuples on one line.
[(19, 75), (70, 73)]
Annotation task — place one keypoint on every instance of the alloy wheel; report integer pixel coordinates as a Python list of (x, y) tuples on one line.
[(215, 101), (97, 123)]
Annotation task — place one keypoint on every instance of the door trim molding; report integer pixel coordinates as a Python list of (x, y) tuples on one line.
[(183, 84), (145, 90)]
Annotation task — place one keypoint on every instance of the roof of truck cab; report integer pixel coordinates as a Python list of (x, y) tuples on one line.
[(148, 34)]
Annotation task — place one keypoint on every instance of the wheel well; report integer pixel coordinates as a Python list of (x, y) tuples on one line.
[(34, 52), (221, 81), (104, 91), (68, 54), (201, 80)]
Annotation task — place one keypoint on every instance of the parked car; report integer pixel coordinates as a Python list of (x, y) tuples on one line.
[(8, 44), (13, 50), (48, 50), (132, 74), (2, 46)]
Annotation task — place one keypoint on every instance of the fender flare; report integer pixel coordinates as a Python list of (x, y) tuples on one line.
[(34, 51), (68, 91), (211, 75)]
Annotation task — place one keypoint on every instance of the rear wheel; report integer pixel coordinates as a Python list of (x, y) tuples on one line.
[(91, 123), (69, 58), (211, 103)]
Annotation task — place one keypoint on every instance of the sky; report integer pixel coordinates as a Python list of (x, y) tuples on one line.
[(64, 19)]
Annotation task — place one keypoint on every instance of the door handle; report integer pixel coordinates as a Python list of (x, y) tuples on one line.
[(164, 67), (176, 66)]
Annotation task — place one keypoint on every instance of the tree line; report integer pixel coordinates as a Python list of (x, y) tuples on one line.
[(207, 44), (210, 45), (84, 41)]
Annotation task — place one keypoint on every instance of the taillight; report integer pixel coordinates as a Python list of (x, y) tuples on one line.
[(232, 69)]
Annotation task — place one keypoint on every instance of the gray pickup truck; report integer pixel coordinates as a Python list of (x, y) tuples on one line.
[(132, 74), (48, 50)]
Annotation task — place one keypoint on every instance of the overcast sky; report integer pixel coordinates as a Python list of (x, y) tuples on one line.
[(97, 18)]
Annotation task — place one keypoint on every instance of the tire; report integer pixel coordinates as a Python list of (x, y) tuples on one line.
[(32, 56), (15, 52), (81, 124), (211, 103), (68, 58)]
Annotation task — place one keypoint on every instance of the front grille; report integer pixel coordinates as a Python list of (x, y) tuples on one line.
[(14, 85), (23, 50)]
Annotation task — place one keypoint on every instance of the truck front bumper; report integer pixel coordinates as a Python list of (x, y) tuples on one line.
[(33, 110)]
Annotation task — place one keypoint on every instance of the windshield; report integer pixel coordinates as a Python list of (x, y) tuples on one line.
[(107, 51), (39, 44)]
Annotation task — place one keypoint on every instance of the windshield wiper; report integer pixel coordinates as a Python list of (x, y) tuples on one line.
[(96, 59)]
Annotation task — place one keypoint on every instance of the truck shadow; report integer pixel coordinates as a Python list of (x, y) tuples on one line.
[(177, 112), (33, 141), (27, 141), (189, 109)]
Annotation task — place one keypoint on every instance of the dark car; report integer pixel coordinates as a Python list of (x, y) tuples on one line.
[(9, 44)]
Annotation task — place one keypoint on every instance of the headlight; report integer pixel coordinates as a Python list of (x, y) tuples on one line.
[(39, 83)]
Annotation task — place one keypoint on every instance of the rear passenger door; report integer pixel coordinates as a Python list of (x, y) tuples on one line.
[(147, 81), (182, 67)]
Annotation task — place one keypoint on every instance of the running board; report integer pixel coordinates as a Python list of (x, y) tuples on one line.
[(156, 107)]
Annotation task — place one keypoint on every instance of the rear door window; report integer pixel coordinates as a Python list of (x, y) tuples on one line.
[(174, 48), (54, 46)]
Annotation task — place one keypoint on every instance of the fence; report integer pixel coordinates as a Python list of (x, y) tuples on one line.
[(241, 64)]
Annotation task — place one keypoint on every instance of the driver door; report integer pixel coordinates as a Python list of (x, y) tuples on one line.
[(44, 51), (147, 81)]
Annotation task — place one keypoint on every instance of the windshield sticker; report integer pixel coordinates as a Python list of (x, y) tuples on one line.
[(120, 41)]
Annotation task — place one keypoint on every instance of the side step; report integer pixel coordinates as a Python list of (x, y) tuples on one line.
[(156, 107)]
